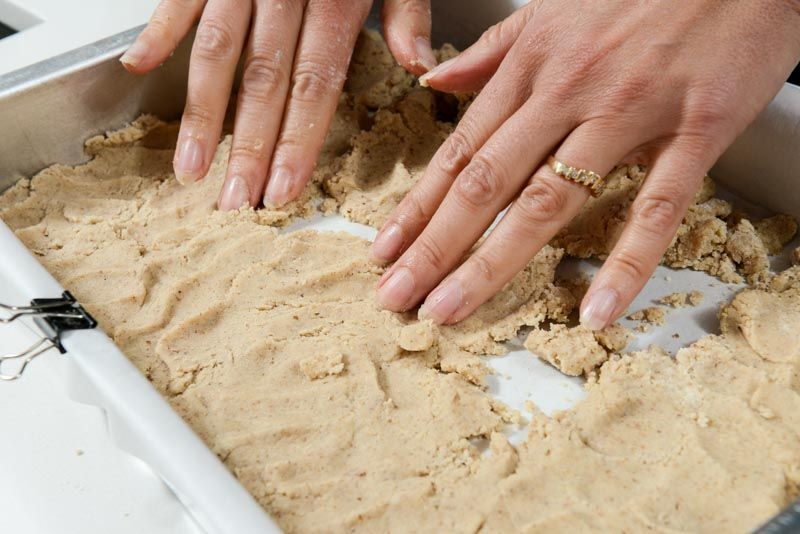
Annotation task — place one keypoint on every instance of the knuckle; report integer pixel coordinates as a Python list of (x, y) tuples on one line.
[(707, 108), (656, 214), (412, 7), (413, 211), (494, 37), (159, 28), (483, 267), (315, 81), (630, 89), (177, 6), (244, 147), (455, 152), (428, 255), (214, 40), (261, 78), (542, 201), (477, 184), (628, 265), (198, 115)]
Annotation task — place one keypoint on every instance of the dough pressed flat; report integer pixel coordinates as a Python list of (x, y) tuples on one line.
[(338, 416)]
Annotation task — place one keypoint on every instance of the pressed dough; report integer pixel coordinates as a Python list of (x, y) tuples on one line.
[(339, 416)]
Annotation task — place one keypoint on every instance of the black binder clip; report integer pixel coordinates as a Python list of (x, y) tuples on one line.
[(53, 317)]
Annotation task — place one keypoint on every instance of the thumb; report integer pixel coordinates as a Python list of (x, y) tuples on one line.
[(407, 29), (470, 70)]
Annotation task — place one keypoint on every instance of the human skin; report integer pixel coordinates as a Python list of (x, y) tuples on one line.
[(296, 54), (668, 84), (595, 84)]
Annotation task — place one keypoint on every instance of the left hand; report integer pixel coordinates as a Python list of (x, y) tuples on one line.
[(592, 83), (296, 54)]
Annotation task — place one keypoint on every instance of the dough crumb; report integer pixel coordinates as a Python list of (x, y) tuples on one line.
[(696, 297), (711, 238), (676, 300), (322, 365), (573, 351), (417, 337), (653, 315), (748, 251), (776, 231), (613, 337), (227, 309), (681, 299)]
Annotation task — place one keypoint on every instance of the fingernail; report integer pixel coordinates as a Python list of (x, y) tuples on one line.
[(384, 277), (235, 194), (425, 53), (388, 243), (397, 290), (135, 54), (188, 161), (442, 67), (598, 312), (443, 302), (279, 188)]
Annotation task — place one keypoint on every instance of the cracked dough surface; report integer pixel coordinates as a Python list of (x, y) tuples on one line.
[(338, 416)]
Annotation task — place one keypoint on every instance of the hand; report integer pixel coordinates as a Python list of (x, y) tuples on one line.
[(296, 54), (594, 83)]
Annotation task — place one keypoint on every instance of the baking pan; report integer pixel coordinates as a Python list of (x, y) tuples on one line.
[(49, 109)]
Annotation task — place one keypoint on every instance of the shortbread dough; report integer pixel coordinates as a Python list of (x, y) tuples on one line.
[(338, 416), (681, 299)]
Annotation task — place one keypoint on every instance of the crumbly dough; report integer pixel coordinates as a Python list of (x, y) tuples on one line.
[(681, 299), (711, 237), (576, 351), (652, 315), (776, 231), (338, 416)]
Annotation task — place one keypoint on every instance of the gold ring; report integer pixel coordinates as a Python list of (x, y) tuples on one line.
[(590, 179)]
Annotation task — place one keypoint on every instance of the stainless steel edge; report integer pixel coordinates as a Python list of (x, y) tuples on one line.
[(763, 164), (49, 109)]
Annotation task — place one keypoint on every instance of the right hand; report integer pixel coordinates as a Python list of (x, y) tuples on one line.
[(296, 55)]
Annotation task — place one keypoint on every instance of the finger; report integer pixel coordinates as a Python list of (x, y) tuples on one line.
[(330, 30), (262, 98), (544, 206), (171, 21), (216, 50), (472, 69), (485, 186), (496, 103), (653, 220), (407, 29)]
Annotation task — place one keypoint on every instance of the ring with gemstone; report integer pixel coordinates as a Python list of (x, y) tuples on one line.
[(585, 177)]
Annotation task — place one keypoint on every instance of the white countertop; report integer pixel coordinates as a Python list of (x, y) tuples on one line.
[(50, 27), (60, 472)]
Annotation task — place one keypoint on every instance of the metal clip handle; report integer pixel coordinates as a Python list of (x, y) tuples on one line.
[(53, 317), (27, 355)]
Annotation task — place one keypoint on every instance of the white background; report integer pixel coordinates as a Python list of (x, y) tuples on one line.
[(59, 472)]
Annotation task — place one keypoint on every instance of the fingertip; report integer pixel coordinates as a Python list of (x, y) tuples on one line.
[(599, 307), (135, 57), (424, 52), (234, 195), (433, 78), (283, 187), (189, 161), (388, 243)]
